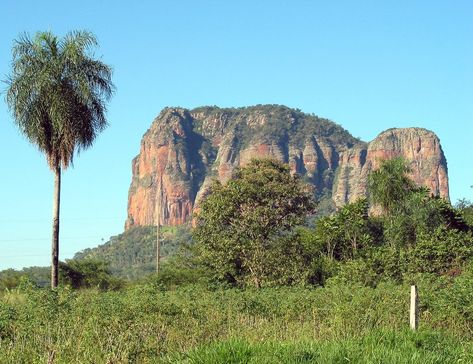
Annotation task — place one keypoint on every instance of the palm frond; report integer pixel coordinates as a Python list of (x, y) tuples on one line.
[(57, 93)]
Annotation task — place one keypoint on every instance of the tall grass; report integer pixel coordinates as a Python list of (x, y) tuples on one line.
[(146, 324), (383, 347)]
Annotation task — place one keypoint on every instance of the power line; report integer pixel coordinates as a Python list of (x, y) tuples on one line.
[(64, 220), (33, 255), (48, 238)]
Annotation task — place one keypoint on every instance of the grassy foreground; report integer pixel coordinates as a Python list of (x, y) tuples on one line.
[(148, 324), (382, 347)]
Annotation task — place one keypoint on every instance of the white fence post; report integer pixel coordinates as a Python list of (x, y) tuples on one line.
[(414, 311)]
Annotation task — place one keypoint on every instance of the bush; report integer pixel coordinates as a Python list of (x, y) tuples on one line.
[(441, 251), (87, 273)]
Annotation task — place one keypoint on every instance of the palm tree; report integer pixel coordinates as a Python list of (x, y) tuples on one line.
[(390, 184), (57, 93)]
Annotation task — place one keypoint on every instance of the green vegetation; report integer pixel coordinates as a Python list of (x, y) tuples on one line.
[(465, 208), (83, 273), (11, 278), (88, 273), (390, 186), (416, 233), (243, 228), (277, 127), (259, 286), (145, 323), (132, 254), (377, 347), (57, 94)]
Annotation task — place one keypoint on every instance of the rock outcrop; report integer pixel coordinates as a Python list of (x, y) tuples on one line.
[(419, 146), (184, 150)]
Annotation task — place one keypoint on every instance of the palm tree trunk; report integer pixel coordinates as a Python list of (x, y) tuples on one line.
[(55, 239)]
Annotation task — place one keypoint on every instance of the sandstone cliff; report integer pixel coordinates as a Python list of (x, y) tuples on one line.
[(185, 149)]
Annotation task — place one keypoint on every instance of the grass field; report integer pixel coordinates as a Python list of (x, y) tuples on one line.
[(145, 323), (383, 347)]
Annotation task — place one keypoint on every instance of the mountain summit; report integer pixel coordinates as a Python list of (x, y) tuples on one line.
[(184, 150)]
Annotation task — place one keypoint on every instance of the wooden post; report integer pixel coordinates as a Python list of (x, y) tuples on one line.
[(157, 212), (157, 247), (414, 311)]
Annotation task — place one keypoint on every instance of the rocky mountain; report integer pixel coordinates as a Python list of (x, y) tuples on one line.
[(185, 149)]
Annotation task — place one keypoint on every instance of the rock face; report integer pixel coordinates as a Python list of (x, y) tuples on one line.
[(420, 147), (184, 150)]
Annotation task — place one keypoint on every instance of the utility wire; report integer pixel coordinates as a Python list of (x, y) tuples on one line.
[(33, 255), (65, 219), (48, 238)]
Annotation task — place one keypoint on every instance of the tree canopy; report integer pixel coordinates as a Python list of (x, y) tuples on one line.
[(390, 184), (57, 93), (240, 227)]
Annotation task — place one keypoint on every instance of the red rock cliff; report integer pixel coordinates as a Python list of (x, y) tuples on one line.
[(185, 149), (420, 147)]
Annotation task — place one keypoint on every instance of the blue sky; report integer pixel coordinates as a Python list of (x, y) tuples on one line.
[(367, 65)]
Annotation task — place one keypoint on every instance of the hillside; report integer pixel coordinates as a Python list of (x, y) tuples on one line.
[(132, 254)]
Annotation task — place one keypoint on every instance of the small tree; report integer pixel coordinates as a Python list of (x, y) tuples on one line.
[(346, 232), (87, 273), (391, 189), (390, 184), (441, 250), (242, 227), (465, 208)]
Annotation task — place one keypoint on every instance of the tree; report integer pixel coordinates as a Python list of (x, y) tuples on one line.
[(57, 94), (409, 210), (242, 227), (87, 273), (465, 207), (390, 184), (441, 250), (346, 232), (390, 188)]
